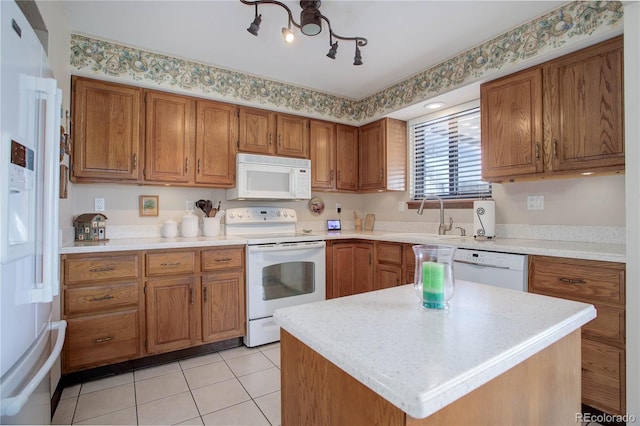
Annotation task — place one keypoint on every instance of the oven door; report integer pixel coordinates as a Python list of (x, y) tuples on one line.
[(282, 275)]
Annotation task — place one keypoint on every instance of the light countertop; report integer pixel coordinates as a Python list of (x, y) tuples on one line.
[(422, 360), (576, 250)]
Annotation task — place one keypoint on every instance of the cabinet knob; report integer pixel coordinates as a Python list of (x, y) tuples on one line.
[(555, 149), (135, 161), (381, 175), (280, 141), (186, 166), (537, 151), (269, 139), (204, 294), (332, 175), (339, 175), (198, 171)]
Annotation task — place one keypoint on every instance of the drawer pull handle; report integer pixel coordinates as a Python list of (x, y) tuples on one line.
[(170, 264), (205, 294), (105, 269), (100, 299), (573, 280), (103, 339), (224, 259)]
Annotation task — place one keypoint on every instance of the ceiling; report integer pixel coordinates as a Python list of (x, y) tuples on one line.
[(404, 37)]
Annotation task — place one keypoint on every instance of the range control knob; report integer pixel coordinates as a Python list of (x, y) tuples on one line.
[(278, 213), (232, 215), (293, 213), (285, 214), (240, 214)]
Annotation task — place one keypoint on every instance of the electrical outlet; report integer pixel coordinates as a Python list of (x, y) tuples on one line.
[(190, 206), (535, 202), (401, 206), (98, 204), (338, 207)]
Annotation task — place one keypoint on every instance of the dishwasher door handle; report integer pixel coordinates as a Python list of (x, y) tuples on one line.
[(484, 265)]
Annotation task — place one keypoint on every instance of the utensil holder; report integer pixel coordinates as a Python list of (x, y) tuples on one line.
[(211, 226)]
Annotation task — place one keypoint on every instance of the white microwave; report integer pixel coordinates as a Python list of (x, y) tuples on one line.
[(263, 177)]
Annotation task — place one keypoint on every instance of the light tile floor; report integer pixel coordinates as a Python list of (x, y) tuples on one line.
[(239, 386)]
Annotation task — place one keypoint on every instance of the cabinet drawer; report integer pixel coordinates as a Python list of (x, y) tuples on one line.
[(98, 298), (389, 253), (104, 268), (609, 325), (603, 372), (168, 263), (101, 339), (589, 281), (213, 260)]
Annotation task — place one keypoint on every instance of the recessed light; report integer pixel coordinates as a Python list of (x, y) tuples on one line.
[(434, 105)]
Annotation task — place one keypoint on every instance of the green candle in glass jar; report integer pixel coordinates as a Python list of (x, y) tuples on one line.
[(433, 284)]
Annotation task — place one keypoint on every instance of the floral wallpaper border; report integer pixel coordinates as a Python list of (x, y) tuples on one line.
[(573, 21)]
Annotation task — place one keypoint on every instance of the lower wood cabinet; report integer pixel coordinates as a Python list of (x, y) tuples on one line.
[(125, 305), (388, 265), (603, 339), (171, 314), (103, 306), (349, 268)]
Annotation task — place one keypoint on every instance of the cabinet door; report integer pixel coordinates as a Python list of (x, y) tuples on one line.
[(352, 271), (322, 154), (387, 276), (257, 130), (293, 136), (171, 308), (107, 132), (346, 158), (223, 306), (584, 92), (512, 125), (168, 138), (603, 377), (216, 136), (371, 156)]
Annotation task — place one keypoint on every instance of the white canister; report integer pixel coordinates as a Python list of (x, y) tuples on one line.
[(170, 229), (189, 225), (211, 226)]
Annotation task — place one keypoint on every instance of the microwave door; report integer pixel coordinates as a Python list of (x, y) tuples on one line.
[(268, 181)]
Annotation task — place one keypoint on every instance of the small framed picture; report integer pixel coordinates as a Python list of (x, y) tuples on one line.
[(149, 205), (333, 225)]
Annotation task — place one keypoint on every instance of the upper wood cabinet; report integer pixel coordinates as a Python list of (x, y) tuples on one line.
[(333, 150), (562, 117), (169, 137), (346, 158), (257, 129), (383, 156), (293, 136), (107, 130), (584, 108), (512, 125), (216, 136), (265, 132), (322, 152)]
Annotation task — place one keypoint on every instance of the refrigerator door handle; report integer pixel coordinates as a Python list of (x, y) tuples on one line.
[(12, 406)]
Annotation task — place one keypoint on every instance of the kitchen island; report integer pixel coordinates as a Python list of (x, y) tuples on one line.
[(495, 357)]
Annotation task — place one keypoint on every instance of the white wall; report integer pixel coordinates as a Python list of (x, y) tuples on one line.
[(632, 146)]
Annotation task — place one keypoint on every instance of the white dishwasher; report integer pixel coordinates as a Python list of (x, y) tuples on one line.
[(504, 270)]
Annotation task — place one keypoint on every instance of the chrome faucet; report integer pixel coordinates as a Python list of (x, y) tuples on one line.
[(442, 229)]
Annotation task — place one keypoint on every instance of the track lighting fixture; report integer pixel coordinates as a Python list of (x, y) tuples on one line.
[(310, 25)]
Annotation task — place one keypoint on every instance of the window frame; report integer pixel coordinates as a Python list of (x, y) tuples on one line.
[(450, 203)]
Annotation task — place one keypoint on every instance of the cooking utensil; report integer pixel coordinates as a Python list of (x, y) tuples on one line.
[(205, 205)]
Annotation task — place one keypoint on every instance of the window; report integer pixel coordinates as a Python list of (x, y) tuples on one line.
[(446, 155)]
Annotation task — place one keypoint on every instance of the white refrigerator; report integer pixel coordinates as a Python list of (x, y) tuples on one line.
[(29, 177)]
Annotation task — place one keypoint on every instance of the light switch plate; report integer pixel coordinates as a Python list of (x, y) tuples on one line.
[(535, 202), (98, 204)]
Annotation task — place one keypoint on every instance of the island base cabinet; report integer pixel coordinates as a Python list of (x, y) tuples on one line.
[(543, 389)]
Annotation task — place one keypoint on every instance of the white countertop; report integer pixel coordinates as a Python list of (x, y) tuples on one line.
[(576, 250), (420, 360)]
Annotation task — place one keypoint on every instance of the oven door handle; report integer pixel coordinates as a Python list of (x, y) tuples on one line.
[(286, 246)]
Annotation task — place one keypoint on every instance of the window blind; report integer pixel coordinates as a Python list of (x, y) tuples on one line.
[(446, 157)]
